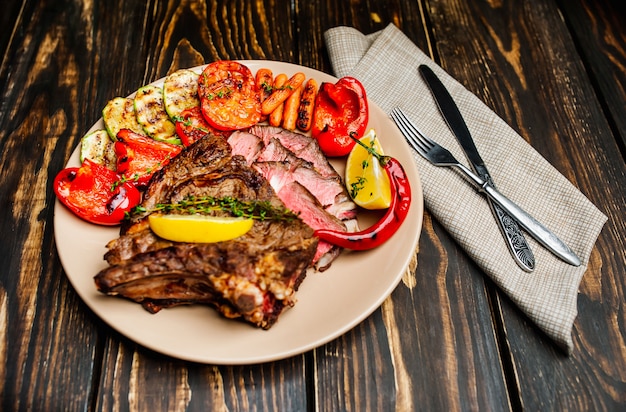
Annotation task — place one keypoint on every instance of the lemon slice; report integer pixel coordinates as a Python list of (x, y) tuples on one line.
[(198, 228), (366, 180)]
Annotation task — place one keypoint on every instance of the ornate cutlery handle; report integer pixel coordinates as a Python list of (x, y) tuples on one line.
[(512, 233), (538, 231)]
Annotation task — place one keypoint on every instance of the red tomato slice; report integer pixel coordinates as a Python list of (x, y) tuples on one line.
[(95, 193), (228, 95), (138, 157), (191, 126)]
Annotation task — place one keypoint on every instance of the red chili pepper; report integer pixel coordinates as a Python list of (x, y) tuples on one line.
[(341, 110), (382, 230)]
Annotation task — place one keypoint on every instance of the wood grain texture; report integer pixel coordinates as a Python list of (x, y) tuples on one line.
[(42, 316), (530, 50), (136, 379), (597, 30), (446, 339)]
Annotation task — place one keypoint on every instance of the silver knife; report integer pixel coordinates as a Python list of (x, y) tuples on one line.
[(515, 240)]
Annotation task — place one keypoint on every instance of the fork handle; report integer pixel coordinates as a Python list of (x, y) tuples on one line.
[(538, 231)]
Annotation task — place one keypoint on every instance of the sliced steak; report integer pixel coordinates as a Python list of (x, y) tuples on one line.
[(304, 147), (245, 144), (304, 203), (284, 158), (329, 191), (253, 277)]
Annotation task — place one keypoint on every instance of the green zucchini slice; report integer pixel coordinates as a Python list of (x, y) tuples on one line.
[(98, 147), (180, 92), (118, 114), (152, 116)]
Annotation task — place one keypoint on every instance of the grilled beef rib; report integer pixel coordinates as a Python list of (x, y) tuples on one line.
[(253, 277)]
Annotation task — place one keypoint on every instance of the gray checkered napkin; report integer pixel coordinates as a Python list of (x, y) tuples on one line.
[(386, 63)]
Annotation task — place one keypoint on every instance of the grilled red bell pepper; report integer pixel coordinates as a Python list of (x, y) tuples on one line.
[(138, 157), (191, 126), (382, 230), (95, 193), (340, 111)]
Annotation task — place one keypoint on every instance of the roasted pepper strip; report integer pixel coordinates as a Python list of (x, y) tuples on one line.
[(138, 157), (382, 230)]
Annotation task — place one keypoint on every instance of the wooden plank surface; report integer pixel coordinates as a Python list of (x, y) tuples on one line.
[(541, 88), (446, 339), (597, 29)]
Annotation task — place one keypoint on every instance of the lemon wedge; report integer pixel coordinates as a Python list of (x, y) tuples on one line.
[(198, 228), (366, 180)]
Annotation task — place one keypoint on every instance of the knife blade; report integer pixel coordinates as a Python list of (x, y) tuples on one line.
[(509, 228)]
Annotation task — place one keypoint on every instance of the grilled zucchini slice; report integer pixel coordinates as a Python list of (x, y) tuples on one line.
[(152, 116), (180, 92), (118, 114), (98, 147)]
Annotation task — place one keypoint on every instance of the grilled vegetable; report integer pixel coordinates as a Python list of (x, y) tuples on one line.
[(290, 112), (382, 230), (276, 117), (341, 113), (191, 126), (264, 79), (280, 94), (152, 116), (307, 105), (97, 146), (118, 114), (138, 157), (228, 96), (95, 193), (180, 92)]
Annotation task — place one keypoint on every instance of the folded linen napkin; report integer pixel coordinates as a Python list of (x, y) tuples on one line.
[(386, 63)]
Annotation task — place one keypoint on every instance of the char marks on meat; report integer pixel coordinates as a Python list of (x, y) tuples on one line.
[(285, 158), (253, 277)]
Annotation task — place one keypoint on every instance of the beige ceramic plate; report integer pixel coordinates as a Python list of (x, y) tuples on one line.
[(329, 303)]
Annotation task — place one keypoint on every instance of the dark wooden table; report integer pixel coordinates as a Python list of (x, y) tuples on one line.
[(555, 70)]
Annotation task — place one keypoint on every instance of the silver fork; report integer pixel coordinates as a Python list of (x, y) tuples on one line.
[(439, 156)]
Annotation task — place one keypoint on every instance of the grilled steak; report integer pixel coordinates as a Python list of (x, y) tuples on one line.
[(303, 179), (304, 147), (253, 277)]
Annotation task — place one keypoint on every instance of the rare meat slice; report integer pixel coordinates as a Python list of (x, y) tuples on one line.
[(304, 147), (329, 191), (311, 212), (245, 144), (303, 157), (253, 277)]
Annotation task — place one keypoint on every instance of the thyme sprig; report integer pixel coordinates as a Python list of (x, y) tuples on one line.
[(255, 209)]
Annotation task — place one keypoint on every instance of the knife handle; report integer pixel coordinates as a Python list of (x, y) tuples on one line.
[(538, 231), (510, 230), (514, 237)]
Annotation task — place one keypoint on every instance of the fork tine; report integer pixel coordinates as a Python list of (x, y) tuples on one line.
[(396, 115), (416, 133), (414, 137)]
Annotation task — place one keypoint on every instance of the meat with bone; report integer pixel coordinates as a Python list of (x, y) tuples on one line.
[(253, 277)]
